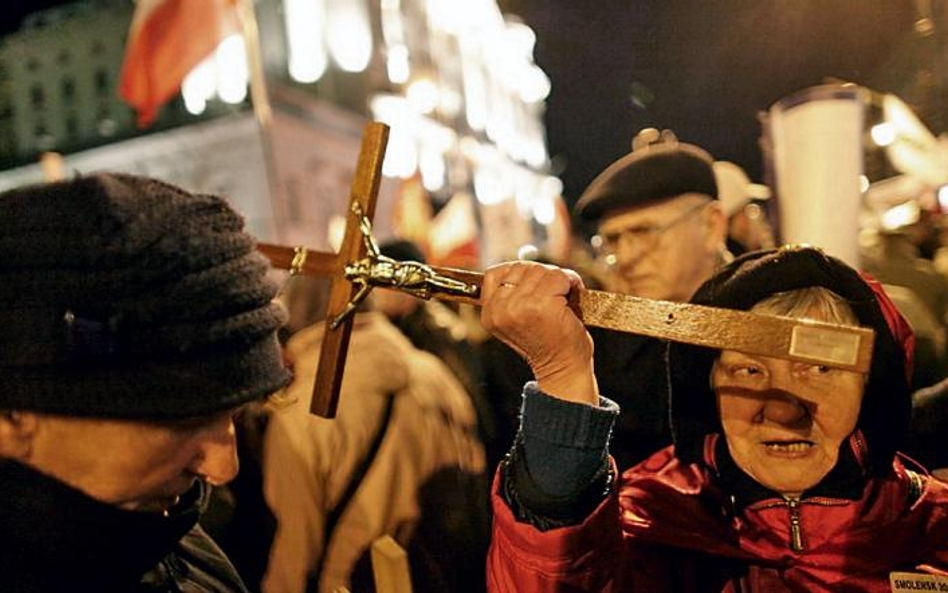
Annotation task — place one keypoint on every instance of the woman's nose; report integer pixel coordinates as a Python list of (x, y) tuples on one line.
[(217, 459), (784, 409)]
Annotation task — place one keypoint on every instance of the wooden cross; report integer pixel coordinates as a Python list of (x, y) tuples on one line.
[(390, 568), (358, 267), (342, 293)]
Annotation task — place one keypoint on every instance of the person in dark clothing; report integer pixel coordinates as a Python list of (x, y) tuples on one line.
[(138, 321), (661, 233), (926, 442), (641, 360)]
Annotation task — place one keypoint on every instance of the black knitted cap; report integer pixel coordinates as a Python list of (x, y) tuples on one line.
[(125, 297), (886, 405), (651, 174)]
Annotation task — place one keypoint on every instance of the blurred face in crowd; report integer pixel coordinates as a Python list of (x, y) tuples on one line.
[(785, 421), (750, 227), (134, 465), (394, 304), (662, 250)]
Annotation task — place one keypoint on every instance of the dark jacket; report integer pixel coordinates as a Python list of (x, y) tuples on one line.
[(630, 370), (57, 539)]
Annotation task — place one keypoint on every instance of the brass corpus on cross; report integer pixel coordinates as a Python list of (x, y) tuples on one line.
[(376, 270), (358, 267)]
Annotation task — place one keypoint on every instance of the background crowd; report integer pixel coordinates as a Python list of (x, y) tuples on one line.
[(431, 402)]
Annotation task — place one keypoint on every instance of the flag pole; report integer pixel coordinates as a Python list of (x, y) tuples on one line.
[(262, 110)]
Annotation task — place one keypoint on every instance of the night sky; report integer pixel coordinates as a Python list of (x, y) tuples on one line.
[(703, 69), (14, 10)]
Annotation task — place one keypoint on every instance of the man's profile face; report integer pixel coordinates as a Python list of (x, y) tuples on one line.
[(662, 250), (135, 465)]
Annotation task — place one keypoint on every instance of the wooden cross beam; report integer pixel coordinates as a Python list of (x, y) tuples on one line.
[(390, 566), (359, 267), (342, 293)]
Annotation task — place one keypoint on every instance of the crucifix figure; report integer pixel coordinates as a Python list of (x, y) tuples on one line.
[(358, 268)]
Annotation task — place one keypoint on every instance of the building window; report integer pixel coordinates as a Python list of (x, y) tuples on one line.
[(72, 126), (44, 140), (32, 64), (37, 96), (102, 81), (69, 89), (63, 58), (106, 125), (98, 48)]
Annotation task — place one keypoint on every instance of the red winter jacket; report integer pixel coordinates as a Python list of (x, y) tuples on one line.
[(668, 529)]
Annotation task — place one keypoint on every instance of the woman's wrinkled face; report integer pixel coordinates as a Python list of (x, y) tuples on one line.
[(784, 421)]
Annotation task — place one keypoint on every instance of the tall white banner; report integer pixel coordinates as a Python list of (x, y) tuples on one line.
[(817, 137)]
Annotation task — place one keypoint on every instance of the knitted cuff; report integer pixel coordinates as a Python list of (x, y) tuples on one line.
[(565, 444), (534, 507), (570, 424)]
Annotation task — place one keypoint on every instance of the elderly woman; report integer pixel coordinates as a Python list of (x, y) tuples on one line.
[(784, 476)]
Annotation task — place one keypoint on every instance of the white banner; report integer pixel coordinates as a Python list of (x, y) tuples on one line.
[(818, 159)]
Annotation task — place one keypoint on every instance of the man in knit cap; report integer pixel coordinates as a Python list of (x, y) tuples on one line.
[(660, 234), (137, 320)]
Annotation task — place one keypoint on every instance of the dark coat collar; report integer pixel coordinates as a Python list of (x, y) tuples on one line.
[(54, 534)]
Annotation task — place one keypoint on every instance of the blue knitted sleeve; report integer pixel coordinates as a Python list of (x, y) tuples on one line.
[(559, 465)]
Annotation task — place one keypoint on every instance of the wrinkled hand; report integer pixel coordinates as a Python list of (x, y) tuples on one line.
[(525, 306)]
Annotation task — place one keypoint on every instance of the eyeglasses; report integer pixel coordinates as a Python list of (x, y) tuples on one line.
[(646, 236)]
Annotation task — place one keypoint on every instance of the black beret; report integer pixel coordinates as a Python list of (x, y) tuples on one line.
[(126, 297), (651, 174), (886, 405)]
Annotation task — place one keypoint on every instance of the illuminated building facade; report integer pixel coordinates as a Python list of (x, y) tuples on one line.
[(455, 81)]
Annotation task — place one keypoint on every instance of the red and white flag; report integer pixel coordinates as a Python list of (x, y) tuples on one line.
[(453, 240), (168, 38)]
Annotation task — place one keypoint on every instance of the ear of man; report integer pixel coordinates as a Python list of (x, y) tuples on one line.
[(17, 430), (715, 226)]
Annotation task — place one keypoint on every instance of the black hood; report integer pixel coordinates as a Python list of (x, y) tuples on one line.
[(886, 406)]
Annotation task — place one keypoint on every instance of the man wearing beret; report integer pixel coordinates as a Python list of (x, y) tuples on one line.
[(661, 234), (137, 321)]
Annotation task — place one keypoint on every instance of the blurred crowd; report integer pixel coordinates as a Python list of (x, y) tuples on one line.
[(431, 402), (646, 218)]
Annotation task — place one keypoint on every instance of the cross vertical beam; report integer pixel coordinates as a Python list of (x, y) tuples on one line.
[(390, 566), (363, 193)]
